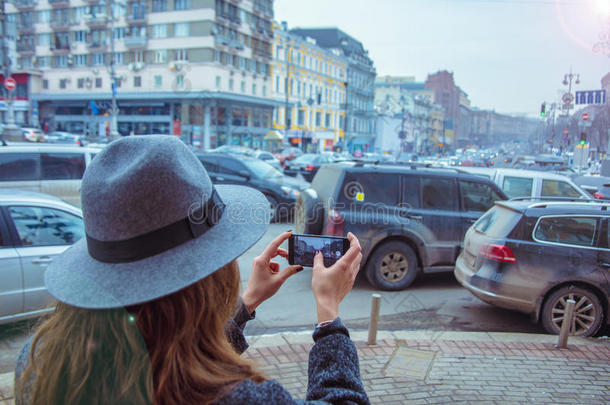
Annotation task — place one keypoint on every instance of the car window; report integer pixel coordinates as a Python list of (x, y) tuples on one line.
[(265, 156), (478, 196), (19, 166), (410, 192), (62, 166), (40, 226), (558, 188), (438, 193), (370, 188), (209, 163), (497, 222), (517, 186), (230, 166), (569, 230)]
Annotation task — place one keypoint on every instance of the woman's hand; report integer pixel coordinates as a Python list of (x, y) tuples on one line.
[(330, 285), (266, 277)]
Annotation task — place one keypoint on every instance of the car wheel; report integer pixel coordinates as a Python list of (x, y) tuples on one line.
[(588, 311), (393, 266), (308, 213)]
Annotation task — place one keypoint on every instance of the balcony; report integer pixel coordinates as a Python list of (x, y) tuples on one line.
[(96, 21), (59, 49), (61, 24), (59, 3), (26, 48), (26, 29), (136, 18), (96, 46), (135, 42), (25, 5)]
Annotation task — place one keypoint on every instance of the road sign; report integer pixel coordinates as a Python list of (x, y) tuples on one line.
[(10, 83), (567, 98), (591, 97), (585, 116)]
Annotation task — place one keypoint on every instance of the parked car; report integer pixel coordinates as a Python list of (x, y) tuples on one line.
[(234, 149), (531, 183), (34, 228), (65, 137), (268, 158), (32, 134), (50, 169), (408, 220), (534, 256), (280, 190), (405, 157), (308, 164), (597, 186), (288, 154)]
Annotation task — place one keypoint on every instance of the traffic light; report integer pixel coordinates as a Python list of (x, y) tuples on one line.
[(543, 110), (583, 138)]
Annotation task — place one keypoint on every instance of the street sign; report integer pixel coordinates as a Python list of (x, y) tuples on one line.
[(585, 116), (591, 97), (10, 83), (567, 98)]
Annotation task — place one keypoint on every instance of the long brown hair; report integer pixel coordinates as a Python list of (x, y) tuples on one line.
[(172, 350)]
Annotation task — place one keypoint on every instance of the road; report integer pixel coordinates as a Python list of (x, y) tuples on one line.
[(433, 302)]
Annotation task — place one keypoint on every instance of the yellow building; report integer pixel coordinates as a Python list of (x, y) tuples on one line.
[(310, 82)]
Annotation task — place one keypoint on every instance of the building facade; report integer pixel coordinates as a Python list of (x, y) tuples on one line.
[(360, 122), (309, 83), (195, 68)]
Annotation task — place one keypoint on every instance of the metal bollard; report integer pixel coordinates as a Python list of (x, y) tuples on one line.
[(566, 324), (374, 320)]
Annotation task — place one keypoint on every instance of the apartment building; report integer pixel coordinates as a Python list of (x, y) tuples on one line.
[(196, 68), (310, 83), (360, 119)]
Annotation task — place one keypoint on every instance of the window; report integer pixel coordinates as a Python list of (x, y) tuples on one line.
[(61, 61), (370, 188), (243, 86), (137, 81), (569, 230), (45, 84), (517, 186), (80, 83), (158, 80), (254, 89), (218, 81), (19, 166), (98, 82), (159, 31), (478, 196), (138, 56), (98, 59), (160, 56), (118, 58), (63, 83), (80, 36), (119, 33), (277, 84), (80, 60), (230, 166), (44, 16), (410, 192), (558, 188), (264, 91), (159, 5), (182, 29), (301, 118), (230, 84), (180, 81), (62, 166), (44, 39), (80, 13), (181, 4), (181, 55), (327, 120), (438, 193), (38, 226), (318, 119)]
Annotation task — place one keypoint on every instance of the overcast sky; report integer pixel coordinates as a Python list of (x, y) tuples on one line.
[(508, 55)]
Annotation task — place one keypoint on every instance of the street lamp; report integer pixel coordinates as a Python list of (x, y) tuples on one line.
[(568, 98), (113, 77)]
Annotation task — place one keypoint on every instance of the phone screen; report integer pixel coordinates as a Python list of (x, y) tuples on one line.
[(303, 248)]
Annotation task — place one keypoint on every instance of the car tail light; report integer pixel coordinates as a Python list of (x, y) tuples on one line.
[(499, 253), (335, 225), (309, 168), (598, 195)]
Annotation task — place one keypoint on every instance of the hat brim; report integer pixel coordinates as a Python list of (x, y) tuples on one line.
[(77, 279)]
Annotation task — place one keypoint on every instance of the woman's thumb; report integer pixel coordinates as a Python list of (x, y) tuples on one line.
[(318, 260), (290, 270)]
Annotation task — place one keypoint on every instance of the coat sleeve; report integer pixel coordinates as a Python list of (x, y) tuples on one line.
[(334, 370), (235, 327)]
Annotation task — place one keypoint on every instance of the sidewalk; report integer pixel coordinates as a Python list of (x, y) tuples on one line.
[(427, 367)]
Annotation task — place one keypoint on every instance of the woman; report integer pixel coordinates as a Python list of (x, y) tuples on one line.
[(148, 308)]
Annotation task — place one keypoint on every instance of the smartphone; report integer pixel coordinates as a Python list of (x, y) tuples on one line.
[(302, 249)]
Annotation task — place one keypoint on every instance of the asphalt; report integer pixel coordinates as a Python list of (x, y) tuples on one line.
[(441, 367)]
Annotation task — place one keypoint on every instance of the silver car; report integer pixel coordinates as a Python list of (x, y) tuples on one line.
[(34, 228)]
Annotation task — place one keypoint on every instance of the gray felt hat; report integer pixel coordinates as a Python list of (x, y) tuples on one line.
[(154, 224)]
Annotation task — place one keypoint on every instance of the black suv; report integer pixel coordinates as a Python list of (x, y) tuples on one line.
[(408, 219), (281, 191), (534, 256)]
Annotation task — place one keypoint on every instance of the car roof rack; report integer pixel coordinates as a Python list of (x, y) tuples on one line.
[(553, 199)]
